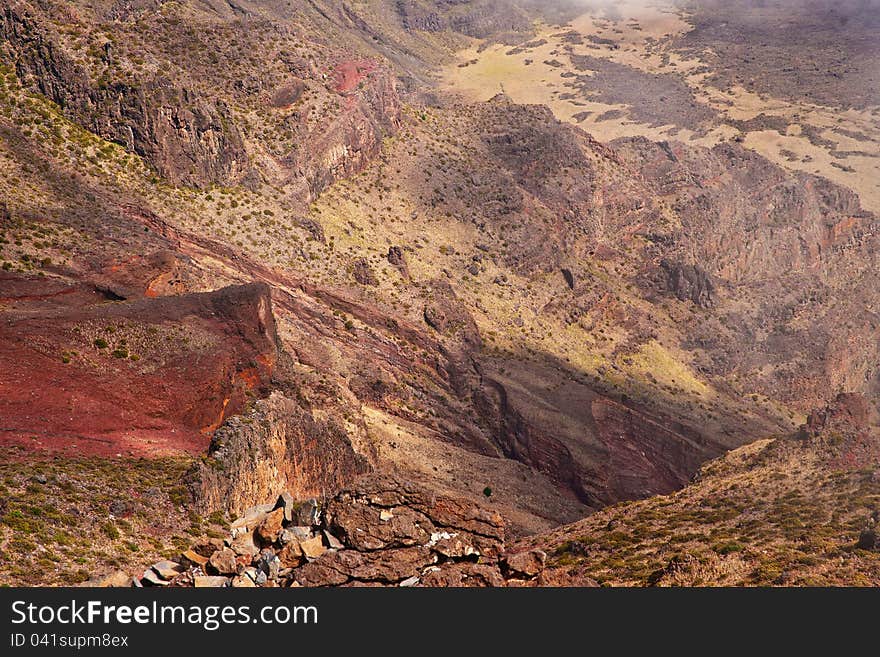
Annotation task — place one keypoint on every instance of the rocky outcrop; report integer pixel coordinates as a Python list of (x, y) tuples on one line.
[(380, 531), (416, 16), (363, 273), (846, 411), (689, 283), (189, 138), (277, 447), (344, 146), (488, 18), (397, 259), (447, 315)]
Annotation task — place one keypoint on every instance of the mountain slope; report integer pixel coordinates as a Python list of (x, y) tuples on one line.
[(473, 295), (800, 510)]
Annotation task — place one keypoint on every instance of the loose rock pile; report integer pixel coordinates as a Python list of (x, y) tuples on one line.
[(381, 532)]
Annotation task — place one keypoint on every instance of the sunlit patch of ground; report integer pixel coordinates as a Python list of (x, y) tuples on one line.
[(554, 69)]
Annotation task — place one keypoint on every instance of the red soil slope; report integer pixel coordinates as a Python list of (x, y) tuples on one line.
[(80, 373)]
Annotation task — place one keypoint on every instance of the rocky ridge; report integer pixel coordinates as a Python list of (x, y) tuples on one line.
[(379, 531)]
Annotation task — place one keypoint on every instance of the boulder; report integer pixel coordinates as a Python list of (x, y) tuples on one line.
[(167, 569), (869, 539), (152, 578), (295, 534), (291, 555), (463, 574), (251, 518), (525, 564), (270, 527), (286, 504), (244, 544), (209, 581), (116, 579), (194, 558), (313, 547), (224, 562)]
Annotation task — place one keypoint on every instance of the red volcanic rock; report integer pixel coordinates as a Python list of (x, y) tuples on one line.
[(349, 74), (79, 373)]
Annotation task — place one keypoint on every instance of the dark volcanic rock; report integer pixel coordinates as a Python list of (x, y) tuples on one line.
[(397, 259), (689, 282), (869, 539), (418, 17), (363, 273)]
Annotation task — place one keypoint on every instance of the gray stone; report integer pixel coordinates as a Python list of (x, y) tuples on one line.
[(333, 542), (167, 569), (296, 533), (151, 577), (305, 514), (268, 563), (251, 518), (287, 503)]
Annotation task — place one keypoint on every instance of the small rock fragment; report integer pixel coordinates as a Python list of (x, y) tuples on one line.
[(333, 542), (209, 581), (223, 562), (313, 547)]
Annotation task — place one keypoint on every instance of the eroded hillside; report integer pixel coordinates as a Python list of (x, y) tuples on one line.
[(261, 235)]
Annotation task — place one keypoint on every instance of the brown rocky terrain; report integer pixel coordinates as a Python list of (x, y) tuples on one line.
[(379, 532), (262, 243), (800, 510)]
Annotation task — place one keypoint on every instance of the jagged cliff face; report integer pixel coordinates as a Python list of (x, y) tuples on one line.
[(187, 137), (194, 102)]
